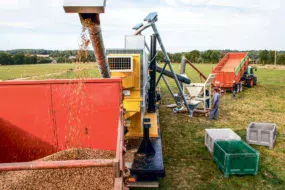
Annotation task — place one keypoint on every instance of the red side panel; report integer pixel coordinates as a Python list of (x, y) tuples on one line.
[(87, 115), (26, 127), (38, 118)]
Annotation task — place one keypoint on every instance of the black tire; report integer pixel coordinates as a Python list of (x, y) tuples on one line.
[(251, 83), (255, 81), (248, 83)]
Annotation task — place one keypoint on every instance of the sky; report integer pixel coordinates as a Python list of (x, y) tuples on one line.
[(184, 25)]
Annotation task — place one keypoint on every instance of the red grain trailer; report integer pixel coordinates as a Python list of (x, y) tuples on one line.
[(40, 118), (234, 67)]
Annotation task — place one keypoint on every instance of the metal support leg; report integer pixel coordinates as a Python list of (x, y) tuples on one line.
[(172, 94), (164, 79), (146, 146), (163, 69), (170, 66)]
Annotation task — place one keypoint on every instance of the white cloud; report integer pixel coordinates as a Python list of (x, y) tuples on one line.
[(198, 24), (20, 25), (171, 2), (8, 2), (257, 4)]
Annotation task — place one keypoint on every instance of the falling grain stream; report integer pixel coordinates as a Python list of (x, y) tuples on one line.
[(72, 178)]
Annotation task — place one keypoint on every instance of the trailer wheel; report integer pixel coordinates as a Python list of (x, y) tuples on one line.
[(250, 82), (255, 81)]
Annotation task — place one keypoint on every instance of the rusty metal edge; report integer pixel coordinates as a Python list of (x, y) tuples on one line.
[(39, 165)]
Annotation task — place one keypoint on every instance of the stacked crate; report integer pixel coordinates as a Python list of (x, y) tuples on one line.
[(231, 154)]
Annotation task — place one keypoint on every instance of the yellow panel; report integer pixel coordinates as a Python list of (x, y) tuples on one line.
[(129, 82), (129, 114), (132, 105), (135, 131)]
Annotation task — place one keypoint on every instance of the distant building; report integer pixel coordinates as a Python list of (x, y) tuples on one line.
[(72, 57), (43, 56)]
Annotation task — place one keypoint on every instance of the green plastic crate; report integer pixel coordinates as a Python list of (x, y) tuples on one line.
[(236, 157)]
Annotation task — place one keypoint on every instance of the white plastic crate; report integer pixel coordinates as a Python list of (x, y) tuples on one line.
[(211, 135), (261, 134)]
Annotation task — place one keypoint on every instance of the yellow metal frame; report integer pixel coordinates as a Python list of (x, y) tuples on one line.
[(134, 114)]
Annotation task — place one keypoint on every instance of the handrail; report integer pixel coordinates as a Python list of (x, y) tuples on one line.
[(40, 165)]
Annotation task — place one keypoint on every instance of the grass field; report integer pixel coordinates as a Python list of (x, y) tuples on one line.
[(190, 166), (24, 71), (188, 163)]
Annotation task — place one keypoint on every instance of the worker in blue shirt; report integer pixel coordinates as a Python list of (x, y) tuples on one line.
[(235, 90), (214, 113)]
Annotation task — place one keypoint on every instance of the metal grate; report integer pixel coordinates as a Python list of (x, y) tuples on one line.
[(120, 64)]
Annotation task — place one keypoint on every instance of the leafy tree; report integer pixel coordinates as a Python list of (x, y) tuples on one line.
[(176, 58), (5, 58), (193, 56), (281, 59), (211, 56), (30, 59), (60, 60), (263, 56), (215, 56), (19, 59), (44, 60), (159, 57), (271, 57), (206, 56), (253, 55)]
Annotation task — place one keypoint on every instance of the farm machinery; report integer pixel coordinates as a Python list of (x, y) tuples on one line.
[(117, 112), (234, 67)]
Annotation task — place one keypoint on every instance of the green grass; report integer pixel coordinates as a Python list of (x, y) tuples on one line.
[(23, 71), (188, 163)]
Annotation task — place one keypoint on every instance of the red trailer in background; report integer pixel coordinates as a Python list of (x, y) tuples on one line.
[(234, 67)]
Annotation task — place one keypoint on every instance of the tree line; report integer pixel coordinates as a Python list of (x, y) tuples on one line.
[(214, 56), (29, 56), (17, 59)]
